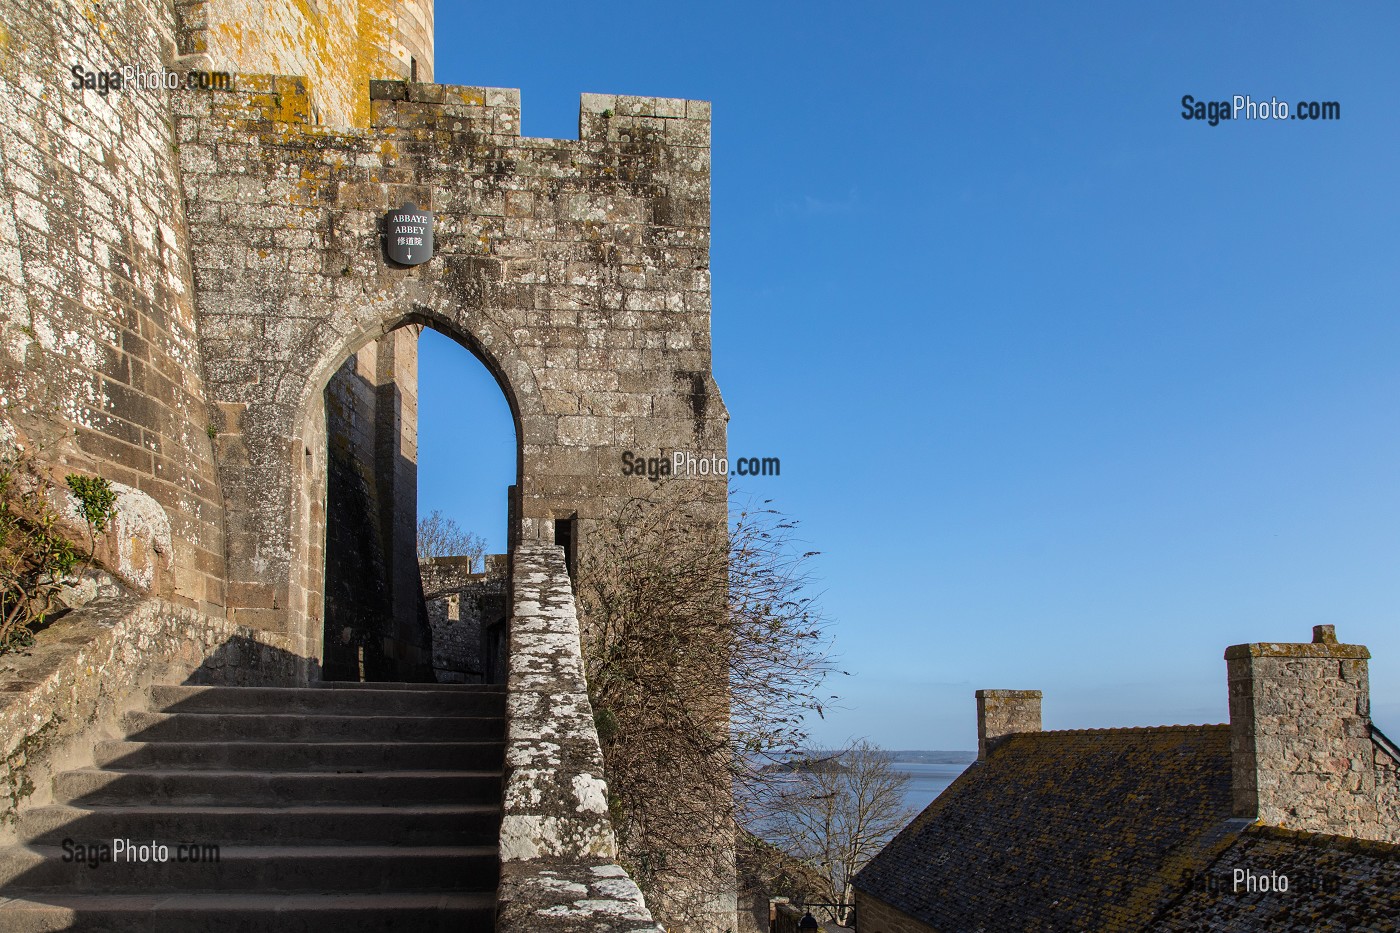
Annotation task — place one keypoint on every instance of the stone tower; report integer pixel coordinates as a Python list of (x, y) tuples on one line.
[(336, 47)]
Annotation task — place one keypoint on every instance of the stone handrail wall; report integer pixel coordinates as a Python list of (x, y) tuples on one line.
[(559, 871), (72, 685)]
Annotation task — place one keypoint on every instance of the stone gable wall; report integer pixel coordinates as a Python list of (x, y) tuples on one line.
[(875, 916), (1388, 794), (99, 360)]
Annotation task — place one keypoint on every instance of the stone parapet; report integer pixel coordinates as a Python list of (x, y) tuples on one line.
[(83, 671), (557, 842)]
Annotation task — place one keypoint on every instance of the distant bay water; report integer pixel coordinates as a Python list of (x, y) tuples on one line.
[(930, 772)]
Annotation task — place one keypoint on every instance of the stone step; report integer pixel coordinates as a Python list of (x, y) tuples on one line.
[(422, 825), (448, 688), (246, 727), (301, 756), (281, 869), (214, 788), (344, 808), (249, 913), (334, 702)]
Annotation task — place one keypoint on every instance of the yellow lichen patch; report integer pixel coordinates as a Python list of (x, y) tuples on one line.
[(471, 96), (293, 101), (307, 192)]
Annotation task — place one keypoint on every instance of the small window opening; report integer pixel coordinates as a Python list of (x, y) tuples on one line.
[(566, 536)]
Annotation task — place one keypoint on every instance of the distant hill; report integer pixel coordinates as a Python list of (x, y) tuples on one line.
[(813, 759), (934, 757)]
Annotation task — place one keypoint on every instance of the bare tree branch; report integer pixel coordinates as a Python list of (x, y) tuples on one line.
[(704, 655), (440, 536)]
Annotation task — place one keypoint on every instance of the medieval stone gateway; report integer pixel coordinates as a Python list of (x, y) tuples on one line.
[(577, 271), (191, 281)]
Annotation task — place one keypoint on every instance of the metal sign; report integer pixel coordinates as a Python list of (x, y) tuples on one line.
[(408, 235)]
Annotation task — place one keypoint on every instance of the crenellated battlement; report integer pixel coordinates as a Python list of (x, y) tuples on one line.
[(608, 118)]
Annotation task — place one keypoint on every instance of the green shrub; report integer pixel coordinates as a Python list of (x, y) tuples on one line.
[(97, 502), (35, 557)]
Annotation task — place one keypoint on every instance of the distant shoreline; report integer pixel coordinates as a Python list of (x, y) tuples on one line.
[(934, 757)]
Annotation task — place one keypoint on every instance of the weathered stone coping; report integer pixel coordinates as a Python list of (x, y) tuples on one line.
[(73, 684), (566, 896), (558, 849)]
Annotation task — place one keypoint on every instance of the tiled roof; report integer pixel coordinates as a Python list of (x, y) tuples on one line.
[(1334, 884), (1060, 831)]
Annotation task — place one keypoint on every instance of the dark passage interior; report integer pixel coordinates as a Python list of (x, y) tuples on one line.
[(403, 603)]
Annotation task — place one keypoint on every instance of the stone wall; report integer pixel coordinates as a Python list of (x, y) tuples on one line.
[(462, 607), (376, 624), (875, 916), (337, 48), (1300, 737), (1387, 786), (99, 361), (71, 686), (1005, 712), (558, 850), (576, 270)]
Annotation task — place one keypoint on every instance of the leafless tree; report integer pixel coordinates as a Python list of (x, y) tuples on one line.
[(440, 536), (677, 608), (837, 811)]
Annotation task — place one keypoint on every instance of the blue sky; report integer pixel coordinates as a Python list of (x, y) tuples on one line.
[(1070, 392)]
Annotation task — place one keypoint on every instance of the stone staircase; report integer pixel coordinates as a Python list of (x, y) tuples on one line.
[(341, 807)]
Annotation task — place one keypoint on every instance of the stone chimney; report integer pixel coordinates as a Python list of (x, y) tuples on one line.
[(1300, 736), (1003, 712)]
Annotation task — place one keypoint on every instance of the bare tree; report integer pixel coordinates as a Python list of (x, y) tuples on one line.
[(836, 812), (440, 536), (703, 654)]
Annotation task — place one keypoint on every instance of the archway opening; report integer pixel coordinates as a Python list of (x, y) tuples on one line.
[(421, 458)]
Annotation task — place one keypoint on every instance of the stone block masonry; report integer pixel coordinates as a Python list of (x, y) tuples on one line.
[(181, 274), (61, 694), (878, 917), (1005, 712), (558, 851), (1303, 751), (577, 270), (375, 622), (462, 607), (336, 47), (99, 363)]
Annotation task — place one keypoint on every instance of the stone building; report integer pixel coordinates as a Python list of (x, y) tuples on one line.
[(467, 611), (1284, 819), (196, 304)]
